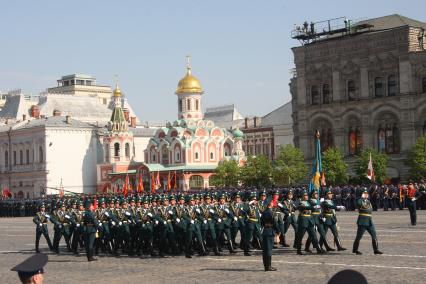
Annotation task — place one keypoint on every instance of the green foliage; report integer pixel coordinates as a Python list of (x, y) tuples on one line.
[(335, 169), (289, 166), (417, 159), (226, 174), (256, 171), (380, 162)]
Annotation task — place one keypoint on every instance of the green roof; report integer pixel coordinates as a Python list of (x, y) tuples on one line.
[(117, 115)]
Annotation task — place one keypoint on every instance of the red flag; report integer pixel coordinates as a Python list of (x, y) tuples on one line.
[(126, 186), (61, 190), (153, 189), (174, 182), (95, 204), (169, 182), (323, 179), (140, 184), (157, 181), (6, 192), (370, 170)]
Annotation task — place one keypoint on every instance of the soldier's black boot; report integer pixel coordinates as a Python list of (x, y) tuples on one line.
[(338, 244), (216, 249), (36, 247), (376, 247), (283, 242), (299, 249), (270, 268), (327, 247), (247, 249), (231, 248), (355, 248), (307, 245)]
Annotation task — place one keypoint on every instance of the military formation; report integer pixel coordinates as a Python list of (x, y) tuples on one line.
[(214, 221)]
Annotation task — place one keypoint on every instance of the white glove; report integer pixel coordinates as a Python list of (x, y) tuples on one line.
[(227, 210), (322, 199), (192, 221), (198, 211), (100, 225), (177, 220), (107, 214), (260, 214), (47, 216), (60, 226), (413, 199), (205, 221), (280, 205), (235, 218), (149, 214), (323, 219), (113, 223), (251, 202), (341, 207), (211, 211), (127, 213), (41, 225), (156, 222), (317, 206), (165, 222), (120, 223), (219, 220), (67, 216), (78, 225), (170, 212)]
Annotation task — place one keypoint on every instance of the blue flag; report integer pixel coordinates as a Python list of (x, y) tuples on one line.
[(315, 182)]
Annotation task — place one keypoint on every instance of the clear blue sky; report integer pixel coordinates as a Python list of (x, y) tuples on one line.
[(240, 49)]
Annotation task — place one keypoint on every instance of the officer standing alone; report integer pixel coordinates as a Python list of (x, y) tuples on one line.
[(268, 234)]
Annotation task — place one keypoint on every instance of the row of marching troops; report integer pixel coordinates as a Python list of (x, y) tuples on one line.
[(172, 224), (386, 197)]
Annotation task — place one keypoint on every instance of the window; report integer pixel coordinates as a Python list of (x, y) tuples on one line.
[(196, 182), (40, 154), (21, 157), (326, 96), (104, 101), (424, 85), (388, 139), (258, 149), (211, 156), (177, 156), (391, 86), (153, 157), (6, 159), (27, 156), (180, 105), (116, 150), (351, 90), (197, 105), (379, 87), (326, 139), (188, 102), (14, 158), (355, 141), (164, 155), (196, 156), (266, 149), (315, 96), (127, 150)]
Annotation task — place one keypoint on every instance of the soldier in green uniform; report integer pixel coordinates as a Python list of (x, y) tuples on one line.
[(365, 223), (305, 223), (91, 225), (290, 217), (145, 219), (330, 221), (62, 227), (239, 223), (180, 223), (253, 223), (124, 217), (223, 217), (193, 228), (208, 230), (167, 237), (41, 220), (268, 234), (77, 222)]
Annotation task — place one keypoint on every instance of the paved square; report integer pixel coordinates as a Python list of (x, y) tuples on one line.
[(404, 260)]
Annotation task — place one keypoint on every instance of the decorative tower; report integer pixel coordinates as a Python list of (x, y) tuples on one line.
[(118, 140), (189, 93), (238, 142)]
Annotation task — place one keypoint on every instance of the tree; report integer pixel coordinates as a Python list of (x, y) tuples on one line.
[(380, 162), (333, 166), (226, 174), (289, 166), (416, 159), (256, 171)]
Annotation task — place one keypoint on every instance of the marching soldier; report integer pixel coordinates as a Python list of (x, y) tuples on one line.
[(290, 217), (268, 234), (167, 237), (223, 217), (145, 218), (77, 221), (411, 197), (62, 227), (124, 217), (40, 220), (208, 224), (331, 219), (252, 225), (365, 223), (193, 228), (239, 223), (91, 225)]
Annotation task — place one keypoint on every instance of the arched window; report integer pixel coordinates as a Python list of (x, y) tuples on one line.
[(14, 158), (379, 87), (355, 141), (116, 150), (197, 105), (188, 107), (164, 155), (424, 85), (40, 154), (326, 96), (6, 159), (351, 90), (391, 86), (197, 156), (381, 138), (388, 139), (21, 157), (315, 95), (127, 150), (326, 139), (196, 182), (177, 156), (27, 156), (180, 105), (211, 156)]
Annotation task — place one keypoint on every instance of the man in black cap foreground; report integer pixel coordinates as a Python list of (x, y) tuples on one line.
[(268, 234), (31, 270)]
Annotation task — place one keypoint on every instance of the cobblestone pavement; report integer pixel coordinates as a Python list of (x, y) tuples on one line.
[(404, 260)]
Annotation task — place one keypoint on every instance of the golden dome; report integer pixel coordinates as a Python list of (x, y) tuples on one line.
[(189, 84), (117, 91)]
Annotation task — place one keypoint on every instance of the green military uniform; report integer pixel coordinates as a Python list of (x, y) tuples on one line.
[(167, 237), (208, 231), (330, 222), (145, 219), (268, 234), (77, 221), (239, 221), (91, 225), (223, 217), (41, 220), (365, 223), (253, 224), (62, 227), (191, 215)]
